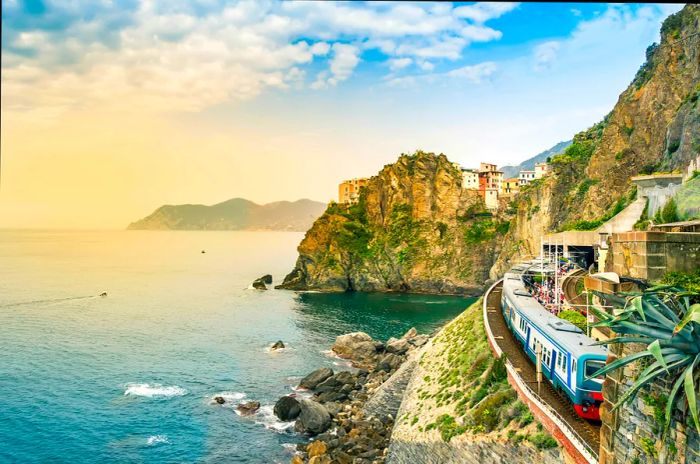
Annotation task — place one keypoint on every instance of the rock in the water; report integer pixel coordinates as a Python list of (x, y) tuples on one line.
[(357, 346), (248, 408), (219, 399), (287, 408), (259, 285), (397, 346), (412, 332), (389, 362), (312, 380), (277, 345), (313, 419), (266, 279)]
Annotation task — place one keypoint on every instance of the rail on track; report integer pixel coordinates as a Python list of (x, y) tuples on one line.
[(580, 438)]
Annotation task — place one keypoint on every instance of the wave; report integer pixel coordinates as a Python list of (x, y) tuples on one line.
[(229, 396), (153, 390), (156, 439), (266, 417)]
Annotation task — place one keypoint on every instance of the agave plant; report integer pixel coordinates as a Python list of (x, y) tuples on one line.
[(663, 318)]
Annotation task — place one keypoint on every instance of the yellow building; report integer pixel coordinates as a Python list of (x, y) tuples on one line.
[(510, 186), (349, 190)]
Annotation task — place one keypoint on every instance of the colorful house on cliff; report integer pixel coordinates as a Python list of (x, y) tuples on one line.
[(349, 190)]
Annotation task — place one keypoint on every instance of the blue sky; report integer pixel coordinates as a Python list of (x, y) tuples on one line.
[(299, 90)]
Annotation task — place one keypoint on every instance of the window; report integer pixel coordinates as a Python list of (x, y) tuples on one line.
[(592, 367), (573, 366)]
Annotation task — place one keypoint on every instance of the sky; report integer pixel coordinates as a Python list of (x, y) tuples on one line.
[(113, 108)]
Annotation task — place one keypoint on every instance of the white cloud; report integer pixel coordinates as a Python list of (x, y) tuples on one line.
[(342, 64), (475, 74), (399, 63), (482, 12), (183, 56), (545, 53)]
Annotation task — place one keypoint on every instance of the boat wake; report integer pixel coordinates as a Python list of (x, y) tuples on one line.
[(48, 301)]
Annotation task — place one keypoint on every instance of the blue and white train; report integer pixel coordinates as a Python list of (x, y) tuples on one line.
[(568, 356)]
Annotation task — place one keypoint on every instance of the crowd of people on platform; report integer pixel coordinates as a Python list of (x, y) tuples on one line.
[(543, 287)]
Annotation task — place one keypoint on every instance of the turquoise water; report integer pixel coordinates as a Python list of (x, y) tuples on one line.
[(129, 377)]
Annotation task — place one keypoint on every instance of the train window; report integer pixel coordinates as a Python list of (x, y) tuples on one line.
[(573, 365), (592, 367)]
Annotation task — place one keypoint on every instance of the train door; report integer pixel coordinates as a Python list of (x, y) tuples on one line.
[(527, 338)]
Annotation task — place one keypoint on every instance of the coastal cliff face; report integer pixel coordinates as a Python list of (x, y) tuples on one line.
[(414, 230), (654, 127)]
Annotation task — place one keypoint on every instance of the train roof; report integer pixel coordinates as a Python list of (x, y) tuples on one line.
[(565, 333)]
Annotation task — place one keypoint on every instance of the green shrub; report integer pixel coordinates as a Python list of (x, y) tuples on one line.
[(686, 280), (542, 440), (576, 318)]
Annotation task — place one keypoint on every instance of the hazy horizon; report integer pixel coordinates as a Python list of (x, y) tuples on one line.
[(111, 110)]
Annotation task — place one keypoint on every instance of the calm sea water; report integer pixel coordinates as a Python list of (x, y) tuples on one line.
[(130, 377)]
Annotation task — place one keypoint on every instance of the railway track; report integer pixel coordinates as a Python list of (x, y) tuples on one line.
[(568, 286), (511, 347)]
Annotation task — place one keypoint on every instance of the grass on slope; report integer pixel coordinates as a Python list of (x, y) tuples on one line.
[(471, 386)]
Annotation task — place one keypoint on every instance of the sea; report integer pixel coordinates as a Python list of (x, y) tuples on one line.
[(130, 376)]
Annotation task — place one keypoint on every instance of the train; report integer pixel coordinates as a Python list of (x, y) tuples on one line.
[(569, 358)]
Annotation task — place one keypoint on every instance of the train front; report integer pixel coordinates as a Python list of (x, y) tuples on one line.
[(589, 395)]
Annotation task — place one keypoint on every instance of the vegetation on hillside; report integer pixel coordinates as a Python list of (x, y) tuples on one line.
[(471, 386)]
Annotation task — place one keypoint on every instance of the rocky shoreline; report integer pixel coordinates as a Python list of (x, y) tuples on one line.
[(350, 415)]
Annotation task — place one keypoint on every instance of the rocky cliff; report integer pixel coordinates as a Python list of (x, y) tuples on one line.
[(654, 127), (415, 229)]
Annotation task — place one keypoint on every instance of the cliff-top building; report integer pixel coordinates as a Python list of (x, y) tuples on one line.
[(510, 186), (349, 190), (541, 170)]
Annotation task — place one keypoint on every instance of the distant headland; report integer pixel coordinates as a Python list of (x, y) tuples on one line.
[(234, 214)]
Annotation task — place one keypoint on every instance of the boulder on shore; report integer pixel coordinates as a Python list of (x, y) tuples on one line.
[(412, 332), (313, 418), (312, 380), (248, 408), (395, 346), (266, 279), (259, 285), (356, 346), (277, 345), (389, 362), (287, 408)]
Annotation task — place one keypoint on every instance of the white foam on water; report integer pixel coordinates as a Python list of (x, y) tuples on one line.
[(156, 439), (153, 390), (266, 417), (231, 398)]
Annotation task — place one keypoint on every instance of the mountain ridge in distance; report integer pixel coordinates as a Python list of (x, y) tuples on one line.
[(233, 214)]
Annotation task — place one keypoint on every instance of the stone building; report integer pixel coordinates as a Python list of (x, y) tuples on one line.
[(349, 190)]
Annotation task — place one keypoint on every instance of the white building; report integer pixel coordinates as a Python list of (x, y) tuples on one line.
[(470, 179), (525, 177)]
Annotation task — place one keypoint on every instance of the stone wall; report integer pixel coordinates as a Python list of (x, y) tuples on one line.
[(632, 434), (650, 255)]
